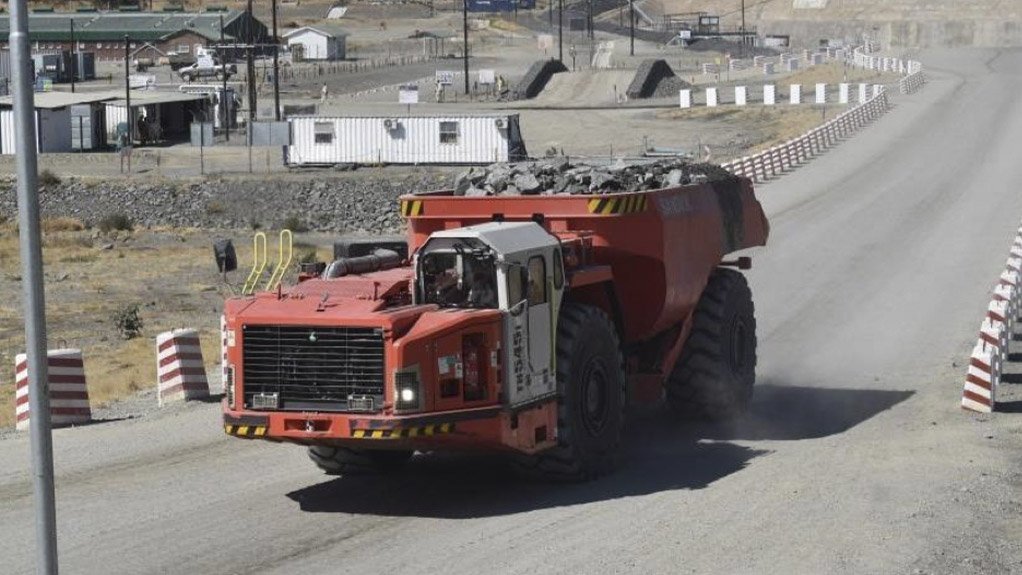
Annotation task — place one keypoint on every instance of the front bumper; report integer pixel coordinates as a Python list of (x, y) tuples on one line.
[(488, 428)]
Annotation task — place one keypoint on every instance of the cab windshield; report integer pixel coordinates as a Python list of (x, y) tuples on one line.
[(458, 273)]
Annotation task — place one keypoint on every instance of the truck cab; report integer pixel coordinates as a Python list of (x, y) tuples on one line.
[(515, 268)]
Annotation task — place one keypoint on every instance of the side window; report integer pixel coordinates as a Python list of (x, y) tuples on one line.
[(537, 280), (449, 133), (515, 285), (558, 270)]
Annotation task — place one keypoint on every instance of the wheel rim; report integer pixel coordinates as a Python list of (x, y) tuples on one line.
[(594, 404)]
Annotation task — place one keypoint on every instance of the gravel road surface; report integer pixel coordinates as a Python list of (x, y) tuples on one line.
[(854, 459)]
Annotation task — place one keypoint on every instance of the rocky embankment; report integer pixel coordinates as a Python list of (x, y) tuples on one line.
[(349, 203)]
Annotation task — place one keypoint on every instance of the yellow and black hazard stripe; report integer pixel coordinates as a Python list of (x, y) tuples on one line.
[(411, 208), (632, 204), (405, 433), (245, 431)]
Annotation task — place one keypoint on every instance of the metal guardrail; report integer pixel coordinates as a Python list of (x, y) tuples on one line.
[(793, 153)]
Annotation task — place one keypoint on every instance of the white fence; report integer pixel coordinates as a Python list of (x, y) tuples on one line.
[(983, 375), (787, 156), (768, 95)]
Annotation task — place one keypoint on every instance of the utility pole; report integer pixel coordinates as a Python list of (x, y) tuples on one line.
[(250, 68), (127, 102), (464, 17), (74, 55), (560, 31), (276, 63), (631, 10), (225, 102), (33, 297), (743, 28), (589, 24)]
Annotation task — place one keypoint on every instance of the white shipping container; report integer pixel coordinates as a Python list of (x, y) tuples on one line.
[(405, 140), (53, 131)]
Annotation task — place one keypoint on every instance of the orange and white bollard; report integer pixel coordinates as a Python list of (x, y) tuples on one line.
[(69, 396), (181, 373), (981, 380)]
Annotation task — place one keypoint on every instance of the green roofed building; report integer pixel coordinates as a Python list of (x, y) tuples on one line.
[(151, 34)]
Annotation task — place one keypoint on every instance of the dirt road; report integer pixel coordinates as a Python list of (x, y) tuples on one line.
[(854, 459)]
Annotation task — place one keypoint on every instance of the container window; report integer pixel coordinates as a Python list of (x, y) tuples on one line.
[(324, 132), (537, 280), (449, 132), (183, 48)]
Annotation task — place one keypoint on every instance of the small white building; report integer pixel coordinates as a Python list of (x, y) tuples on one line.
[(319, 42), (324, 141)]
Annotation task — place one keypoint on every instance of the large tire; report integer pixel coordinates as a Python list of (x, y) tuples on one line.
[(186, 77), (714, 377), (591, 401), (346, 461)]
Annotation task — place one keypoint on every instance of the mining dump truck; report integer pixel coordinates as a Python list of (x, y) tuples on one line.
[(522, 324)]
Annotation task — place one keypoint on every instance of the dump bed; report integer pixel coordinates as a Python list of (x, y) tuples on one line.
[(661, 244)]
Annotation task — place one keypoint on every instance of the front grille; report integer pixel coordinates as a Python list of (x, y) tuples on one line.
[(313, 368)]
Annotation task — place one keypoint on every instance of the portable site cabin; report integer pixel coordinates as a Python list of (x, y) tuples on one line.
[(172, 112), (318, 42), (405, 140), (58, 116)]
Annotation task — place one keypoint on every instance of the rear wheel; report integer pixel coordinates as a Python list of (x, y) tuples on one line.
[(220, 75), (186, 77), (591, 404), (713, 379), (347, 461)]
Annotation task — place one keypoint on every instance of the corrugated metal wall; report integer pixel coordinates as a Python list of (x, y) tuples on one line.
[(8, 141), (54, 128), (414, 140)]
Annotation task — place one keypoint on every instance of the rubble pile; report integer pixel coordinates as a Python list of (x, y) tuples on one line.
[(561, 176)]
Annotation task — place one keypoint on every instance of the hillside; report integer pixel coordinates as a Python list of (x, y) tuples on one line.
[(896, 23)]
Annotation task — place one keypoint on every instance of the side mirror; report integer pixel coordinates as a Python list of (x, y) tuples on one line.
[(226, 257)]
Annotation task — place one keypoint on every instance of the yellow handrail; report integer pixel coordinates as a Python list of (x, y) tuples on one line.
[(278, 272), (258, 264)]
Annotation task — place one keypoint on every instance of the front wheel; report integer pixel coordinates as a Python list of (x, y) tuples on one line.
[(591, 403), (347, 461), (186, 77), (220, 76)]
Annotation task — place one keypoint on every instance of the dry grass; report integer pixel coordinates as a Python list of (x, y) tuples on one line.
[(835, 73), (764, 126), (170, 274), (54, 225)]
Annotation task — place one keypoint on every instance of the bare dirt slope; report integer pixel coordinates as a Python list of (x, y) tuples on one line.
[(584, 88), (854, 459)]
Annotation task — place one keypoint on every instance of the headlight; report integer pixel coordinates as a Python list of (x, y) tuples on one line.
[(407, 391)]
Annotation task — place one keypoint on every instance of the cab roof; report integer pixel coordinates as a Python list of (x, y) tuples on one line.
[(506, 238)]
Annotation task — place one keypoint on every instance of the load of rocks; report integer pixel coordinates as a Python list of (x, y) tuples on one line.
[(561, 176)]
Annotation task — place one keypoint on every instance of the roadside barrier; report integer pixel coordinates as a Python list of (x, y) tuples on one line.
[(986, 361), (181, 374), (69, 395), (785, 157)]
